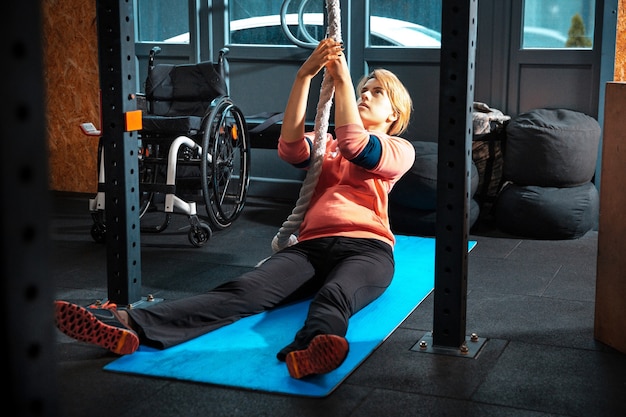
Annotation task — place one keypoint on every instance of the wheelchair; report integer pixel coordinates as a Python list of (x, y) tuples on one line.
[(193, 140)]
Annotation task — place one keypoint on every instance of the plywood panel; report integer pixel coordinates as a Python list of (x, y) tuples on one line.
[(72, 89), (610, 306), (620, 43)]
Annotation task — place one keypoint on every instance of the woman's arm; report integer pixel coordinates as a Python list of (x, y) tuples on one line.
[(346, 110), (295, 112)]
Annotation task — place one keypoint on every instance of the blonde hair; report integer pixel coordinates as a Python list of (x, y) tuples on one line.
[(398, 96)]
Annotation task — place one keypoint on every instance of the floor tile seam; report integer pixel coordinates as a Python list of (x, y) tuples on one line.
[(91, 289), (406, 326), (547, 285), (508, 262), (468, 400), (539, 297), (418, 393), (599, 350), (534, 411), (363, 400), (575, 300), (478, 292)]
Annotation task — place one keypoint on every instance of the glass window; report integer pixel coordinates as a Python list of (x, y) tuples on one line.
[(259, 22), (392, 23), (555, 24), (163, 21), (405, 23)]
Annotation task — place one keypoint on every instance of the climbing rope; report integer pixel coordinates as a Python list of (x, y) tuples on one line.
[(285, 236)]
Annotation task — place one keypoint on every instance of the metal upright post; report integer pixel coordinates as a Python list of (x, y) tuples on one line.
[(116, 47), (456, 97), (28, 363)]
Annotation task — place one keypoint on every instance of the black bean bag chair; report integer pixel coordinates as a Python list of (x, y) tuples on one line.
[(413, 200), (551, 148), (547, 212), (418, 187), (414, 222)]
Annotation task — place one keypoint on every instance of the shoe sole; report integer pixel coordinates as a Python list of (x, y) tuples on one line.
[(78, 323), (324, 354)]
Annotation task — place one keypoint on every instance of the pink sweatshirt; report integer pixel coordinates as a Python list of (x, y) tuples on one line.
[(358, 172)]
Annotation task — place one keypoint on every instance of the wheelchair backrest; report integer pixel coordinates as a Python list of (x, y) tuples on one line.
[(183, 90)]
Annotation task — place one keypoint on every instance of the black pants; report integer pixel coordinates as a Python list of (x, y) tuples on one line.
[(343, 275)]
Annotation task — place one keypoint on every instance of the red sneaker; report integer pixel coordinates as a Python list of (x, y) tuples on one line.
[(324, 354), (100, 327)]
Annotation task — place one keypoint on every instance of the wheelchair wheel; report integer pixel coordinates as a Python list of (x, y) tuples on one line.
[(225, 163), (200, 235), (99, 232)]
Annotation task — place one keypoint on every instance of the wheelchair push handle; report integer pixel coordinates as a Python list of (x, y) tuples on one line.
[(153, 52), (222, 55)]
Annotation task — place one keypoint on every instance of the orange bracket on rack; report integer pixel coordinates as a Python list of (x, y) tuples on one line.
[(133, 120)]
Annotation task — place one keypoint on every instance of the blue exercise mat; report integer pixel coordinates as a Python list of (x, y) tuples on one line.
[(243, 354)]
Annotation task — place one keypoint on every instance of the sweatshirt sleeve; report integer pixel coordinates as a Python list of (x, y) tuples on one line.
[(296, 153), (299, 153), (388, 156)]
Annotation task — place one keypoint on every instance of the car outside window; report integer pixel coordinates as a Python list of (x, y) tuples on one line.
[(406, 23)]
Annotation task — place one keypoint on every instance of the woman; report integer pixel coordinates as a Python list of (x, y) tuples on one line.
[(344, 254)]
